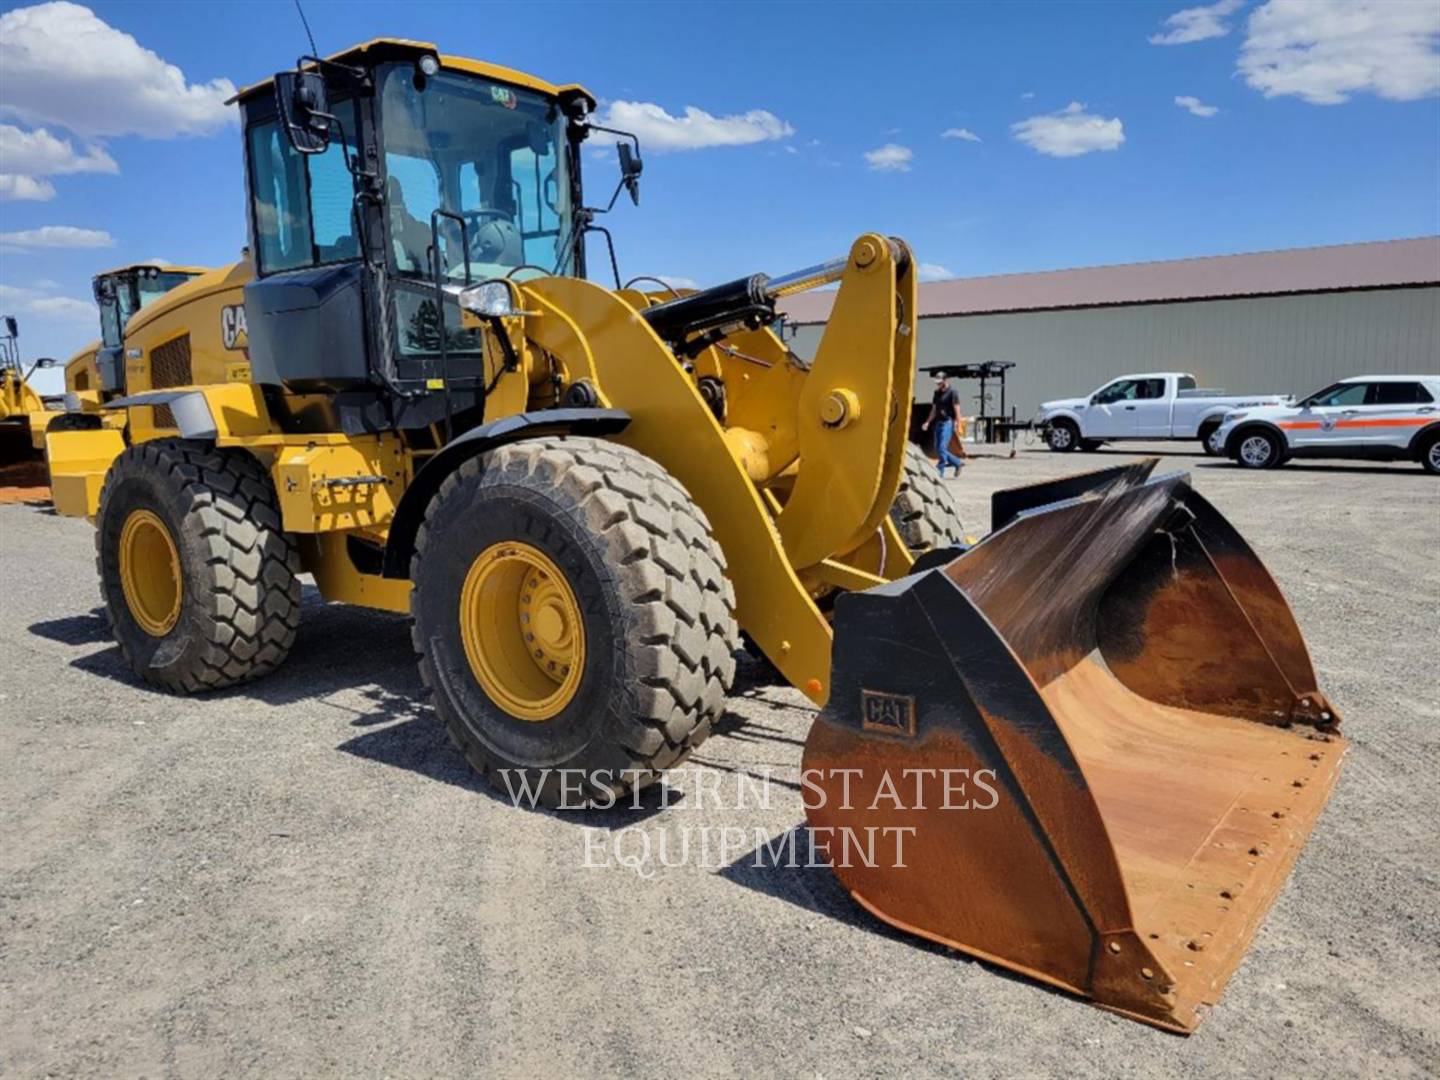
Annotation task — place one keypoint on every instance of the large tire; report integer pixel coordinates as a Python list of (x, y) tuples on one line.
[(924, 510), (647, 587), (235, 606), (1062, 436)]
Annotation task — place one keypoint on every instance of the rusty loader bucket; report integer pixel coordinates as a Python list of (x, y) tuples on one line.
[(1088, 749)]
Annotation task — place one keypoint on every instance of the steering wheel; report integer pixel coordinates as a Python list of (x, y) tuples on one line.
[(492, 236)]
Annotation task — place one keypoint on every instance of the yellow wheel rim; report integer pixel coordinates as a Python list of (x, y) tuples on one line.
[(150, 572), (523, 631)]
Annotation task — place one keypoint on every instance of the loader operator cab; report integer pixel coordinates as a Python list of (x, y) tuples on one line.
[(381, 180), (119, 294)]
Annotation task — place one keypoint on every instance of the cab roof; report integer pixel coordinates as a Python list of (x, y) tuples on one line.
[(166, 268), (1391, 378), (379, 48)]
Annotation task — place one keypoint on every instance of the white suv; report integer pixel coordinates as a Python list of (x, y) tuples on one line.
[(1379, 417)]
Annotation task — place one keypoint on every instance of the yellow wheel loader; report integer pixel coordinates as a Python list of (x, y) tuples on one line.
[(97, 372), (583, 493), (23, 412)]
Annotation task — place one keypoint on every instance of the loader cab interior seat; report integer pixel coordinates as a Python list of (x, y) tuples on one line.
[(409, 234)]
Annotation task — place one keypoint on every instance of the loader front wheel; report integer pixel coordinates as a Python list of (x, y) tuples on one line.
[(198, 578), (924, 510), (572, 618)]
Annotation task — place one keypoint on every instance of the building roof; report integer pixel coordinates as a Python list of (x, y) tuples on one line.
[(1382, 264)]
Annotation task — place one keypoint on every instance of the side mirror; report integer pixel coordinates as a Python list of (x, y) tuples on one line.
[(630, 169), (304, 110), (12, 328)]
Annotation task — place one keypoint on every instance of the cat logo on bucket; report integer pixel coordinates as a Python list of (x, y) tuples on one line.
[(893, 714), (233, 332)]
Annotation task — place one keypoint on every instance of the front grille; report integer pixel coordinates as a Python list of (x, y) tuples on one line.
[(169, 366)]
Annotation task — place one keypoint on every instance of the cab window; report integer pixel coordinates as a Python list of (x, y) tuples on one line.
[(1339, 394), (1120, 390), (110, 327), (303, 205), (1398, 393), (1186, 383), (1149, 389)]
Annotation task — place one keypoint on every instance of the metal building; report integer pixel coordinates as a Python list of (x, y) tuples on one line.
[(1271, 322)]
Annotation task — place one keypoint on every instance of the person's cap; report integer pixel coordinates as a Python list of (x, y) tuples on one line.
[(939, 373)]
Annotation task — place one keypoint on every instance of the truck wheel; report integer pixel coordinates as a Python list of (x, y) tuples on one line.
[(924, 510), (572, 618), (1259, 449), (1062, 436), (1430, 453), (198, 578), (1205, 433)]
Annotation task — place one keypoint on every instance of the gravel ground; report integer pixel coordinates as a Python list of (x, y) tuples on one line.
[(301, 877)]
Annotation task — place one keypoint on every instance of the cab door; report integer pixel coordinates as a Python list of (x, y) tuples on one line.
[(1330, 419), (1112, 413), (1392, 413), (1152, 408)]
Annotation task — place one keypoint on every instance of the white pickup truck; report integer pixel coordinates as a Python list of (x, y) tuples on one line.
[(1155, 405)]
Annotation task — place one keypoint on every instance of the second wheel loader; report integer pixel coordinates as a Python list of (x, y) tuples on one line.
[(583, 494)]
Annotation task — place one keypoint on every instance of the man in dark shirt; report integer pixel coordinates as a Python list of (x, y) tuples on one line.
[(944, 414)]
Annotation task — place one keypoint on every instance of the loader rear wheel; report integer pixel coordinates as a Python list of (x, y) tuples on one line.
[(924, 510), (198, 578), (572, 617)]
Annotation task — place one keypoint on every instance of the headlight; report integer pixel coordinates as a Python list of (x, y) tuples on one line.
[(490, 299)]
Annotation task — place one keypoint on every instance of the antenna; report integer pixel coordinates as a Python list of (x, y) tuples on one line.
[(306, 23)]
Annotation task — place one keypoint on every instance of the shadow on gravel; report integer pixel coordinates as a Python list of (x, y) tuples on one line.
[(779, 869), (1398, 468), (88, 629), (421, 746)]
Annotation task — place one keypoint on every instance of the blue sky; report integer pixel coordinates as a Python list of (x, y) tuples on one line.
[(1326, 129)]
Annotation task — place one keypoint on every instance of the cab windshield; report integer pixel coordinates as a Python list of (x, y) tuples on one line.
[(495, 156), (152, 288)]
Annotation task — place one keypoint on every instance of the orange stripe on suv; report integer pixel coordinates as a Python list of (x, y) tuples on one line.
[(1316, 425)]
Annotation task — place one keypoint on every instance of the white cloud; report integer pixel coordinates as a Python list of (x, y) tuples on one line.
[(890, 158), (933, 272), (38, 153), (28, 156), (695, 130), (1322, 51), (65, 66), (676, 282), (960, 133), (50, 308), (56, 236), (63, 307), (1197, 24), (25, 187), (1027, 95), (1195, 107), (1070, 132)]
